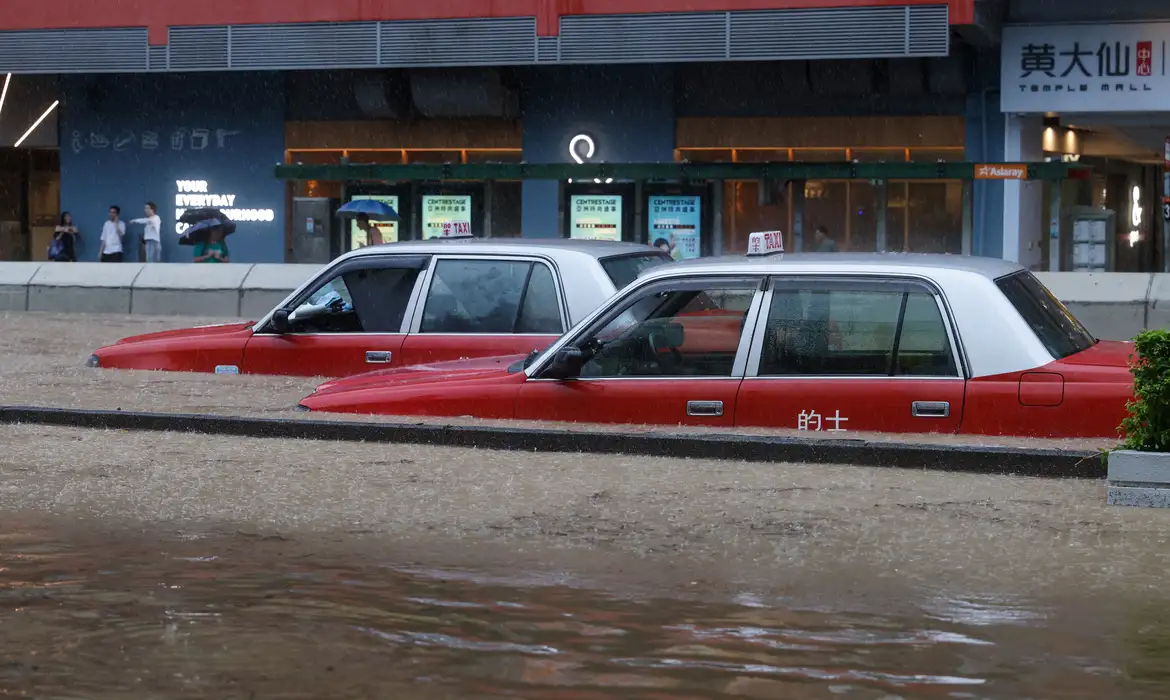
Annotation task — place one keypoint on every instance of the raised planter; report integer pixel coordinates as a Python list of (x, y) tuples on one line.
[(1139, 474), (1140, 479)]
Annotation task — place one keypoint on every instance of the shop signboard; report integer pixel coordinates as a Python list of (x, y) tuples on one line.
[(446, 215), (389, 229), (597, 216), (992, 171), (674, 222), (1086, 68)]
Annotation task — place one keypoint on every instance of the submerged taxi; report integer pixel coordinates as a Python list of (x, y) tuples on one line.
[(406, 303), (818, 342)]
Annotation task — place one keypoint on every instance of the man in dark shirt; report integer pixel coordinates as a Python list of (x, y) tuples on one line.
[(824, 244)]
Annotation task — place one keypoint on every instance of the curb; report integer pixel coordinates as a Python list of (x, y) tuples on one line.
[(1039, 462)]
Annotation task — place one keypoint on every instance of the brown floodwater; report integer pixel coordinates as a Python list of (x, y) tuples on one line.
[(141, 613)]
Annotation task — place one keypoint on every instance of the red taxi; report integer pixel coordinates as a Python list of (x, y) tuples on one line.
[(404, 304), (820, 342)]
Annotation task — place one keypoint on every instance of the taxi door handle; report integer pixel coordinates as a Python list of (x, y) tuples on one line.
[(930, 409), (704, 408), (380, 357)]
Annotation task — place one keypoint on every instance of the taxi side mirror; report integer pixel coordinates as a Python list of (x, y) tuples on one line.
[(280, 321), (566, 364)]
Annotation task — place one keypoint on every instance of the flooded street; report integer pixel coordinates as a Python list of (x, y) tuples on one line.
[(93, 613), (156, 565)]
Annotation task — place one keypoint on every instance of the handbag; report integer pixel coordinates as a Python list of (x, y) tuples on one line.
[(57, 250)]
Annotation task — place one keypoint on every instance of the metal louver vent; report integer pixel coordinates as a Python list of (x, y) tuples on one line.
[(310, 45), (198, 48), (156, 58), (456, 42), (692, 36), (547, 49), (861, 32), (930, 30), (73, 50)]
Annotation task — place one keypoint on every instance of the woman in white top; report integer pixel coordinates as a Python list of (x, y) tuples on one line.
[(150, 235)]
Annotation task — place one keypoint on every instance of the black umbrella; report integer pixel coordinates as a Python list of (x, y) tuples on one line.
[(202, 222), (194, 216)]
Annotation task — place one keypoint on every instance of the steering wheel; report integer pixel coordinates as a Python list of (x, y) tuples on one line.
[(652, 340)]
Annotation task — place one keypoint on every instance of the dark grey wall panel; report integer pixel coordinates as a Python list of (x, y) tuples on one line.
[(73, 51)]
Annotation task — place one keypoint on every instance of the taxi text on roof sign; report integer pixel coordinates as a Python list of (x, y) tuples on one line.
[(765, 243), (990, 171)]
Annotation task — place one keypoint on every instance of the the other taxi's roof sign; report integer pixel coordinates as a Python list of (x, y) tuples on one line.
[(765, 243)]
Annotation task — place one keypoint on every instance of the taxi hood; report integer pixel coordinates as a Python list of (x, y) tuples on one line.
[(196, 332), (452, 369)]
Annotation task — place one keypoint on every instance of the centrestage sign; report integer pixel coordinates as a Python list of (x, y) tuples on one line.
[(1086, 68)]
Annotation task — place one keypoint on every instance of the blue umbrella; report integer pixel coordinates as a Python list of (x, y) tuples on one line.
[(379, 211)]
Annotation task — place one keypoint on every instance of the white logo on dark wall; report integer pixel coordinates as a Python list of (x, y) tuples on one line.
[(1106, 66), (179, 139)]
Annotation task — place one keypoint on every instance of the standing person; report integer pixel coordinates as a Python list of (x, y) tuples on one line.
[(113, 231), (824, 243), (150, 234), (64, 245), (373, 233), (214, 250)]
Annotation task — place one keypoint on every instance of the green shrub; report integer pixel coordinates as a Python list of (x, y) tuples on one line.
[(1147, 427)]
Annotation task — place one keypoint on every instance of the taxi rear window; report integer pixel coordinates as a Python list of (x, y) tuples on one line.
[(1060, 332), (623, 269)]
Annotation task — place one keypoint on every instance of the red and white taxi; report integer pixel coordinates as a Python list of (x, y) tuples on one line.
[(403, 304), (820, 342)]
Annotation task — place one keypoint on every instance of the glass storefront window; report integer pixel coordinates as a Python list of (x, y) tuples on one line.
[(379, 157), (825, 205), (761, 155), (705, 155), (743, 213), (820, 155), (495, 156), (933, 155), (436, 156), (878, 155), (506, 208)]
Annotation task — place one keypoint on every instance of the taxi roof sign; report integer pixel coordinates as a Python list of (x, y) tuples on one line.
[(765, 243)]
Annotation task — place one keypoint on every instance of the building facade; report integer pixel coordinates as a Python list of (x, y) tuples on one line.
[(1088, 82), (195, 104)]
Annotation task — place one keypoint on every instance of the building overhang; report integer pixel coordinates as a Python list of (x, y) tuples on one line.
[(682, 172)]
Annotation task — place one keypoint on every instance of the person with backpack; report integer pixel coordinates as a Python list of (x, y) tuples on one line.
[(63, 247)]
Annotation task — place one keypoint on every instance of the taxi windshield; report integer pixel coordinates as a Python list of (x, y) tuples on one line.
[(623, 269), (1060, 332)]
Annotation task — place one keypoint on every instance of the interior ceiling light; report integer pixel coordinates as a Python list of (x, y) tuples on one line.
[(37, 123), (4, 93), (45, 115)]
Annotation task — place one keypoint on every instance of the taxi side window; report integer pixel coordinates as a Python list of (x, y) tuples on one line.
[(689, 332), (822, 331), (372, 300), (492, 297)]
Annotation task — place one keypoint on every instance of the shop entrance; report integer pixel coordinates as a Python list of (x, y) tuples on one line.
[(679, 204)]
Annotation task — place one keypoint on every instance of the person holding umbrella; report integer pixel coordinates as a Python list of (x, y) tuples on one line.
[(363, 210), (373, 233), (206, 231), (214, 249)]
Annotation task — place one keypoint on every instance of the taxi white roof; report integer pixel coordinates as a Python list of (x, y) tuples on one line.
[(920, 263), (491, 246)]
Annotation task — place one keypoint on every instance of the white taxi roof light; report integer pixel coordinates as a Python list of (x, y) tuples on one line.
[(765, 243)]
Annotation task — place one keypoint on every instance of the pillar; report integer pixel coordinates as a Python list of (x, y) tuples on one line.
[(1024, 220)]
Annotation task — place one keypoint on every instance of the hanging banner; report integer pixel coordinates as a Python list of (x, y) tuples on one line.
[(446, 215), (674, 225), (389, 229), (597, 216)]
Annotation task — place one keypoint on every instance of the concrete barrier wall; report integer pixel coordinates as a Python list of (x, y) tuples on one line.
[(171, 289), (1113, 305)]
